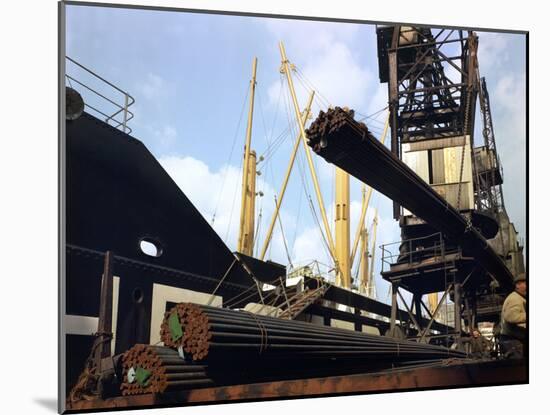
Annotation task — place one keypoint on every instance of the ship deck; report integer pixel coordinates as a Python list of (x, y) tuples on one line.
[(451, 375)]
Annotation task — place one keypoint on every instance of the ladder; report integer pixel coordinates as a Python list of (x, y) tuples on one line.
[(302, 300)]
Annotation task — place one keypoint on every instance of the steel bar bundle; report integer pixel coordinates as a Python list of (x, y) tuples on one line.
[(157, 369), (221, 334), (348, 144)]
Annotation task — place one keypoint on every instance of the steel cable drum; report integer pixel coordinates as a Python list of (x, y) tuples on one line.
[(348, 144)]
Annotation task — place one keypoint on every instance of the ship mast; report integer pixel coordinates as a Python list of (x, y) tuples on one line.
[(343, 275), (285, 68), (364, 258), (371, 287), (248, 193)]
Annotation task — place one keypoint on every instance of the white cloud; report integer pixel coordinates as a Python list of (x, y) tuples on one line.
[(309, 246), (323, 54), (510, 93), (309, 37), (508, 102), (204, 188), (213, 193), (492, 50), (152, 87), (165, 136)]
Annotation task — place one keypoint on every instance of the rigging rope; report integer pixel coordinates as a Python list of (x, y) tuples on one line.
[(311, 206), (230, 156), (233, 205), (301, 75), (283, 235)]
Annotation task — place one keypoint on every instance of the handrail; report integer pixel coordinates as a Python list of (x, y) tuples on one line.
[(390, 258), (129, 100)]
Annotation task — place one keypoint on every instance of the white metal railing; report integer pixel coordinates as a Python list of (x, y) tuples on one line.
[(121, 115)]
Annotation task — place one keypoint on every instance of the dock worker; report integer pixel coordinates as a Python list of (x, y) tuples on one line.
[(513, 320), (480, 347)]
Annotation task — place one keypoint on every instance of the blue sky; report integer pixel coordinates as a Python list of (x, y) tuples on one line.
[(190, 74)]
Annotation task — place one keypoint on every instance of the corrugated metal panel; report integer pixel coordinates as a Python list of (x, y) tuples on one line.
[(452, 164), (437, 143), (418, 161), (446, 168), (450, 193), (438, 166), (453, 160)]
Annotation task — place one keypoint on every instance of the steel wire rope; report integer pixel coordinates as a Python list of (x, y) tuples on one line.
[(300, 196), (228, 163), (301, 169), (232, 206), (272, 147), (236, 299), (283, 235), (300, 74), (258, 223), (270, 304), (290, 128), (373, 116), (318, 100), (212, 295), (273, 144)]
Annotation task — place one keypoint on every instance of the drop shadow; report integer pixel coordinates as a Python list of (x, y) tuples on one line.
[(48, 403)]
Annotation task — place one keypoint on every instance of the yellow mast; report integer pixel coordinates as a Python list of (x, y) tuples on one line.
[(305, 116), (433, 300), (248, 192), (286, 69), (371, 287), (364, 262), (366, 201), (343, 272), (249, 218)]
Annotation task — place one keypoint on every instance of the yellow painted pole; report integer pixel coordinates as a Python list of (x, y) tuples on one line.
[(250, 205), (371, 287), (364, 262), (343, 273), (246, 163), (305, 116), (366, 201), (364, 205), (433, 300), (286, 68)]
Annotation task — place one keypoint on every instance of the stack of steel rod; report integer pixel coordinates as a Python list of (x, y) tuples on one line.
[(220, 334), (341, 140), (158, 369), (222, 347)]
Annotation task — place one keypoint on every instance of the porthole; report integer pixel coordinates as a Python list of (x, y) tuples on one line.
[(150, 247)]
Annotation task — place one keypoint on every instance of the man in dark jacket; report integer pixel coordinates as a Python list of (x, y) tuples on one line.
[(480, 347), (513, 321)]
